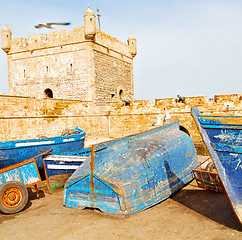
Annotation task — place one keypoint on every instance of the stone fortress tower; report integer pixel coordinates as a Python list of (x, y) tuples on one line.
[(84, 64)]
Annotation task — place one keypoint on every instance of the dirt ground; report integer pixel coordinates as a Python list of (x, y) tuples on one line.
[(191, 213)]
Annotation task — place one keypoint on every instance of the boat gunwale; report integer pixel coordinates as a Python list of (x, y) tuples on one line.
[(174, 123), (9, 145)]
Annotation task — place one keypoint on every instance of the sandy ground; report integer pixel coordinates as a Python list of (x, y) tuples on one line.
[(191, 213)]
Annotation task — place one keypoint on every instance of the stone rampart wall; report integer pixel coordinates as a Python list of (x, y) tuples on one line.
[(23, 117)]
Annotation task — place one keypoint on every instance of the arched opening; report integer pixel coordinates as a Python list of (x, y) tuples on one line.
[(120, 94), (112, 96), (184, 130), (48, 93)]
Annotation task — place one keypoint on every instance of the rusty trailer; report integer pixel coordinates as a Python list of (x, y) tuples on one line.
[(133, 173), (13, 183)]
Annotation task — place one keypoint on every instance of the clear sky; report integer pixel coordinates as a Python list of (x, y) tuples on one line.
[(185, 47)]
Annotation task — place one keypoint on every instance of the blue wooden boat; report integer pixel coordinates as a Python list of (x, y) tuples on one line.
[(58, 168), (133, 173), (12, 152), (223, 137)]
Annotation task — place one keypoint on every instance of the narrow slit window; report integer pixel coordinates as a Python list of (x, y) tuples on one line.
[(121, 93)]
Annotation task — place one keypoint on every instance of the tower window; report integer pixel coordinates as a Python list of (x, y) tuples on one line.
[(121, 93), (112, 96), (24, 73), (47, 69), (48, 93)]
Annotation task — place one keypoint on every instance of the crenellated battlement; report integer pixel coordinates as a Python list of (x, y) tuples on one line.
[(228, 98), (66, 37), (201, 100), (39, 41)]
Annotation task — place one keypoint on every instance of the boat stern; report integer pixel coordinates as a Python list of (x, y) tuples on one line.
[(92, 192)]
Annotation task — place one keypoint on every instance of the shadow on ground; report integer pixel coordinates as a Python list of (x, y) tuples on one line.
[(215, 206)]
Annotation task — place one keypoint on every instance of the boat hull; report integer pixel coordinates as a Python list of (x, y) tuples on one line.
[(12, 152), (223, 139), (133, 173), (58, 168)]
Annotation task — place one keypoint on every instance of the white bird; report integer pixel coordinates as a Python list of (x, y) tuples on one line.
[(49, 25), (167, 116), (158, 122)]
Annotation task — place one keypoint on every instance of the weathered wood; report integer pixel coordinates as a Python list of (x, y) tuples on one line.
[(133, 173), (58, 168), (13, 183), (223, 138)]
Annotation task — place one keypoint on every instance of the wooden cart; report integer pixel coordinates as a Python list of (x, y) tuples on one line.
[(13, 183)]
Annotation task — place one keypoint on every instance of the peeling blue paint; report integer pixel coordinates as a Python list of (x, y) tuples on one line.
[(27, 173), (12, 152), (223, 138), (133, 173)]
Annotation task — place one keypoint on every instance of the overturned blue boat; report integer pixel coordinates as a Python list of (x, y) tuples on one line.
[(133, 173), (223, 137), (12, 152)]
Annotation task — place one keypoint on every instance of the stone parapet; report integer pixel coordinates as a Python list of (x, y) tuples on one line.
[(66, 37), (235, 98)]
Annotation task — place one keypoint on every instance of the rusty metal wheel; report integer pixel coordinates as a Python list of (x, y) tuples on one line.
[(13, 197)]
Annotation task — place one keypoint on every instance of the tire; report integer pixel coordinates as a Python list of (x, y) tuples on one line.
[(13, 197)]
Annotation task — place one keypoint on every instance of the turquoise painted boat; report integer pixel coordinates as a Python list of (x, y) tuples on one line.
[(133, 173), (223, 137)]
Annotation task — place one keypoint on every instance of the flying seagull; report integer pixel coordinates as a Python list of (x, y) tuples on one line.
[(49, 25)]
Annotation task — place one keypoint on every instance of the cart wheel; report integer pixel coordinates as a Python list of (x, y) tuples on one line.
[(13, 197)]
